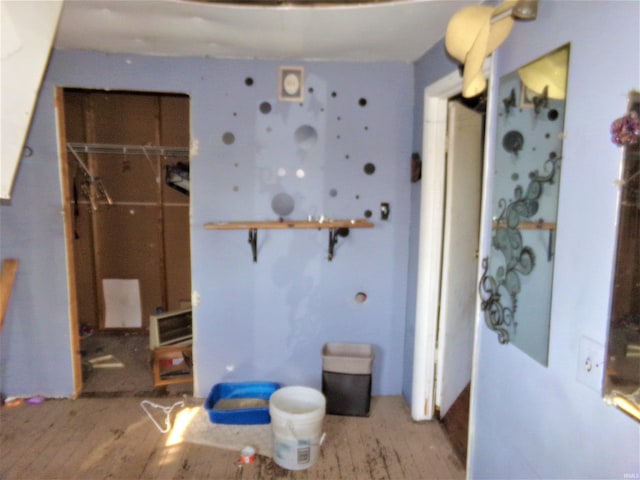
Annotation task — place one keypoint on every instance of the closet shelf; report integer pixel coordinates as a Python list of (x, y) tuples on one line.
[(336, 228), (105, 148)]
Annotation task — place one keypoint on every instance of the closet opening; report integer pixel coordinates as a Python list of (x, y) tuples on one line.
[(125, 177)]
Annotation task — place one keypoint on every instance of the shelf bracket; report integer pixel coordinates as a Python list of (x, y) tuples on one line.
[(253, 240), (334, 233)]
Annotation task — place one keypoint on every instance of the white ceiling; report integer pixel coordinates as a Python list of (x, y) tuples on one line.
[(402, 30)]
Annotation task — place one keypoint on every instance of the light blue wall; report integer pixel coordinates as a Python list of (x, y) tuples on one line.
[(528, 421), (264, 321), (35, 348)]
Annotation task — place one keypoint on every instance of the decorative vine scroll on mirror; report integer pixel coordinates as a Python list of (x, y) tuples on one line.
[(622, 378), (516, 284)]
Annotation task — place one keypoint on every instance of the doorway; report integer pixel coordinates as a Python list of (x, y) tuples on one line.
[(444, 349), (125, 186)]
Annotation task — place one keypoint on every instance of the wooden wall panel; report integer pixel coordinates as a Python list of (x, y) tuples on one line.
[(75, 106), (130, 247), (174, 132), (177, 256), (127, 119)]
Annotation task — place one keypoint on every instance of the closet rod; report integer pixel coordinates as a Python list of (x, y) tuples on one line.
[(128, 149)]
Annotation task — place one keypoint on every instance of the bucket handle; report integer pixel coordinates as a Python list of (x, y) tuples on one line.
[(295, 435)]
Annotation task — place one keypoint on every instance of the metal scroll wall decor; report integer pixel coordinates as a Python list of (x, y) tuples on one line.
[(515, 288)]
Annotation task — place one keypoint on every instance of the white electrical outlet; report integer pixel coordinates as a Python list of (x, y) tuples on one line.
[(590, 364)]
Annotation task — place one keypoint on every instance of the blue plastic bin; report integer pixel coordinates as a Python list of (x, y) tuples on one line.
[(241, 416)]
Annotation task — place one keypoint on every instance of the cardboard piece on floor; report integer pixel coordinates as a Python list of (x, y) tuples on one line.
[(122, 303)]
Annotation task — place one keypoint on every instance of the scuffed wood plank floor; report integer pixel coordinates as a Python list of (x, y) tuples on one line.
[(100, 438)]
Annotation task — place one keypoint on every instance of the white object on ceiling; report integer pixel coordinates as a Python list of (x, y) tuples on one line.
[(400, 30)]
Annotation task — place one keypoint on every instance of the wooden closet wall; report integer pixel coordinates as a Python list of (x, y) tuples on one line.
[(144, 234)]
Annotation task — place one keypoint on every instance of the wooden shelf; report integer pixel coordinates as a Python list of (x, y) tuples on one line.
[(336, 228), (528, 226), (288, 224)]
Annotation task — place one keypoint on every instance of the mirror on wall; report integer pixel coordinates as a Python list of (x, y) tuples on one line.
[(622, 378), (516, 285)]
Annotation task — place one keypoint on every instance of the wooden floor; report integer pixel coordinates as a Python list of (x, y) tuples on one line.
[(99, 438), (456, 423)]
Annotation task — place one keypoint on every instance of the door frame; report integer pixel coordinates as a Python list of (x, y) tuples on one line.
[(74, 324), (436, 98), (64, 158)]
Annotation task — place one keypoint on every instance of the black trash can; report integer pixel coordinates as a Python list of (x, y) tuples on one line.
[(346, 378)]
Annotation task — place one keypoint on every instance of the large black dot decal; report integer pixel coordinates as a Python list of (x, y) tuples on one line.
[(553, 114), (334, 94), (367, 213), (228, 138), (369, 168), (513, 141), (282, 204), (248, 81), (333, 192), (306, 137), (362, 102), (265, 107)]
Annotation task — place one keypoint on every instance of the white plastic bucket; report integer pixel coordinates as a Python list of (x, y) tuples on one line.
[(296, 426)]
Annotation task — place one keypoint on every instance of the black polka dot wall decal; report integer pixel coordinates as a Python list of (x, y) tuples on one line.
[(553, 114), (282, 204), (367, 213), (228, 138), (362, 102), (265, 107), (248, 81), (306, 136), (334, 94), (333, 192), (369, 168)]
